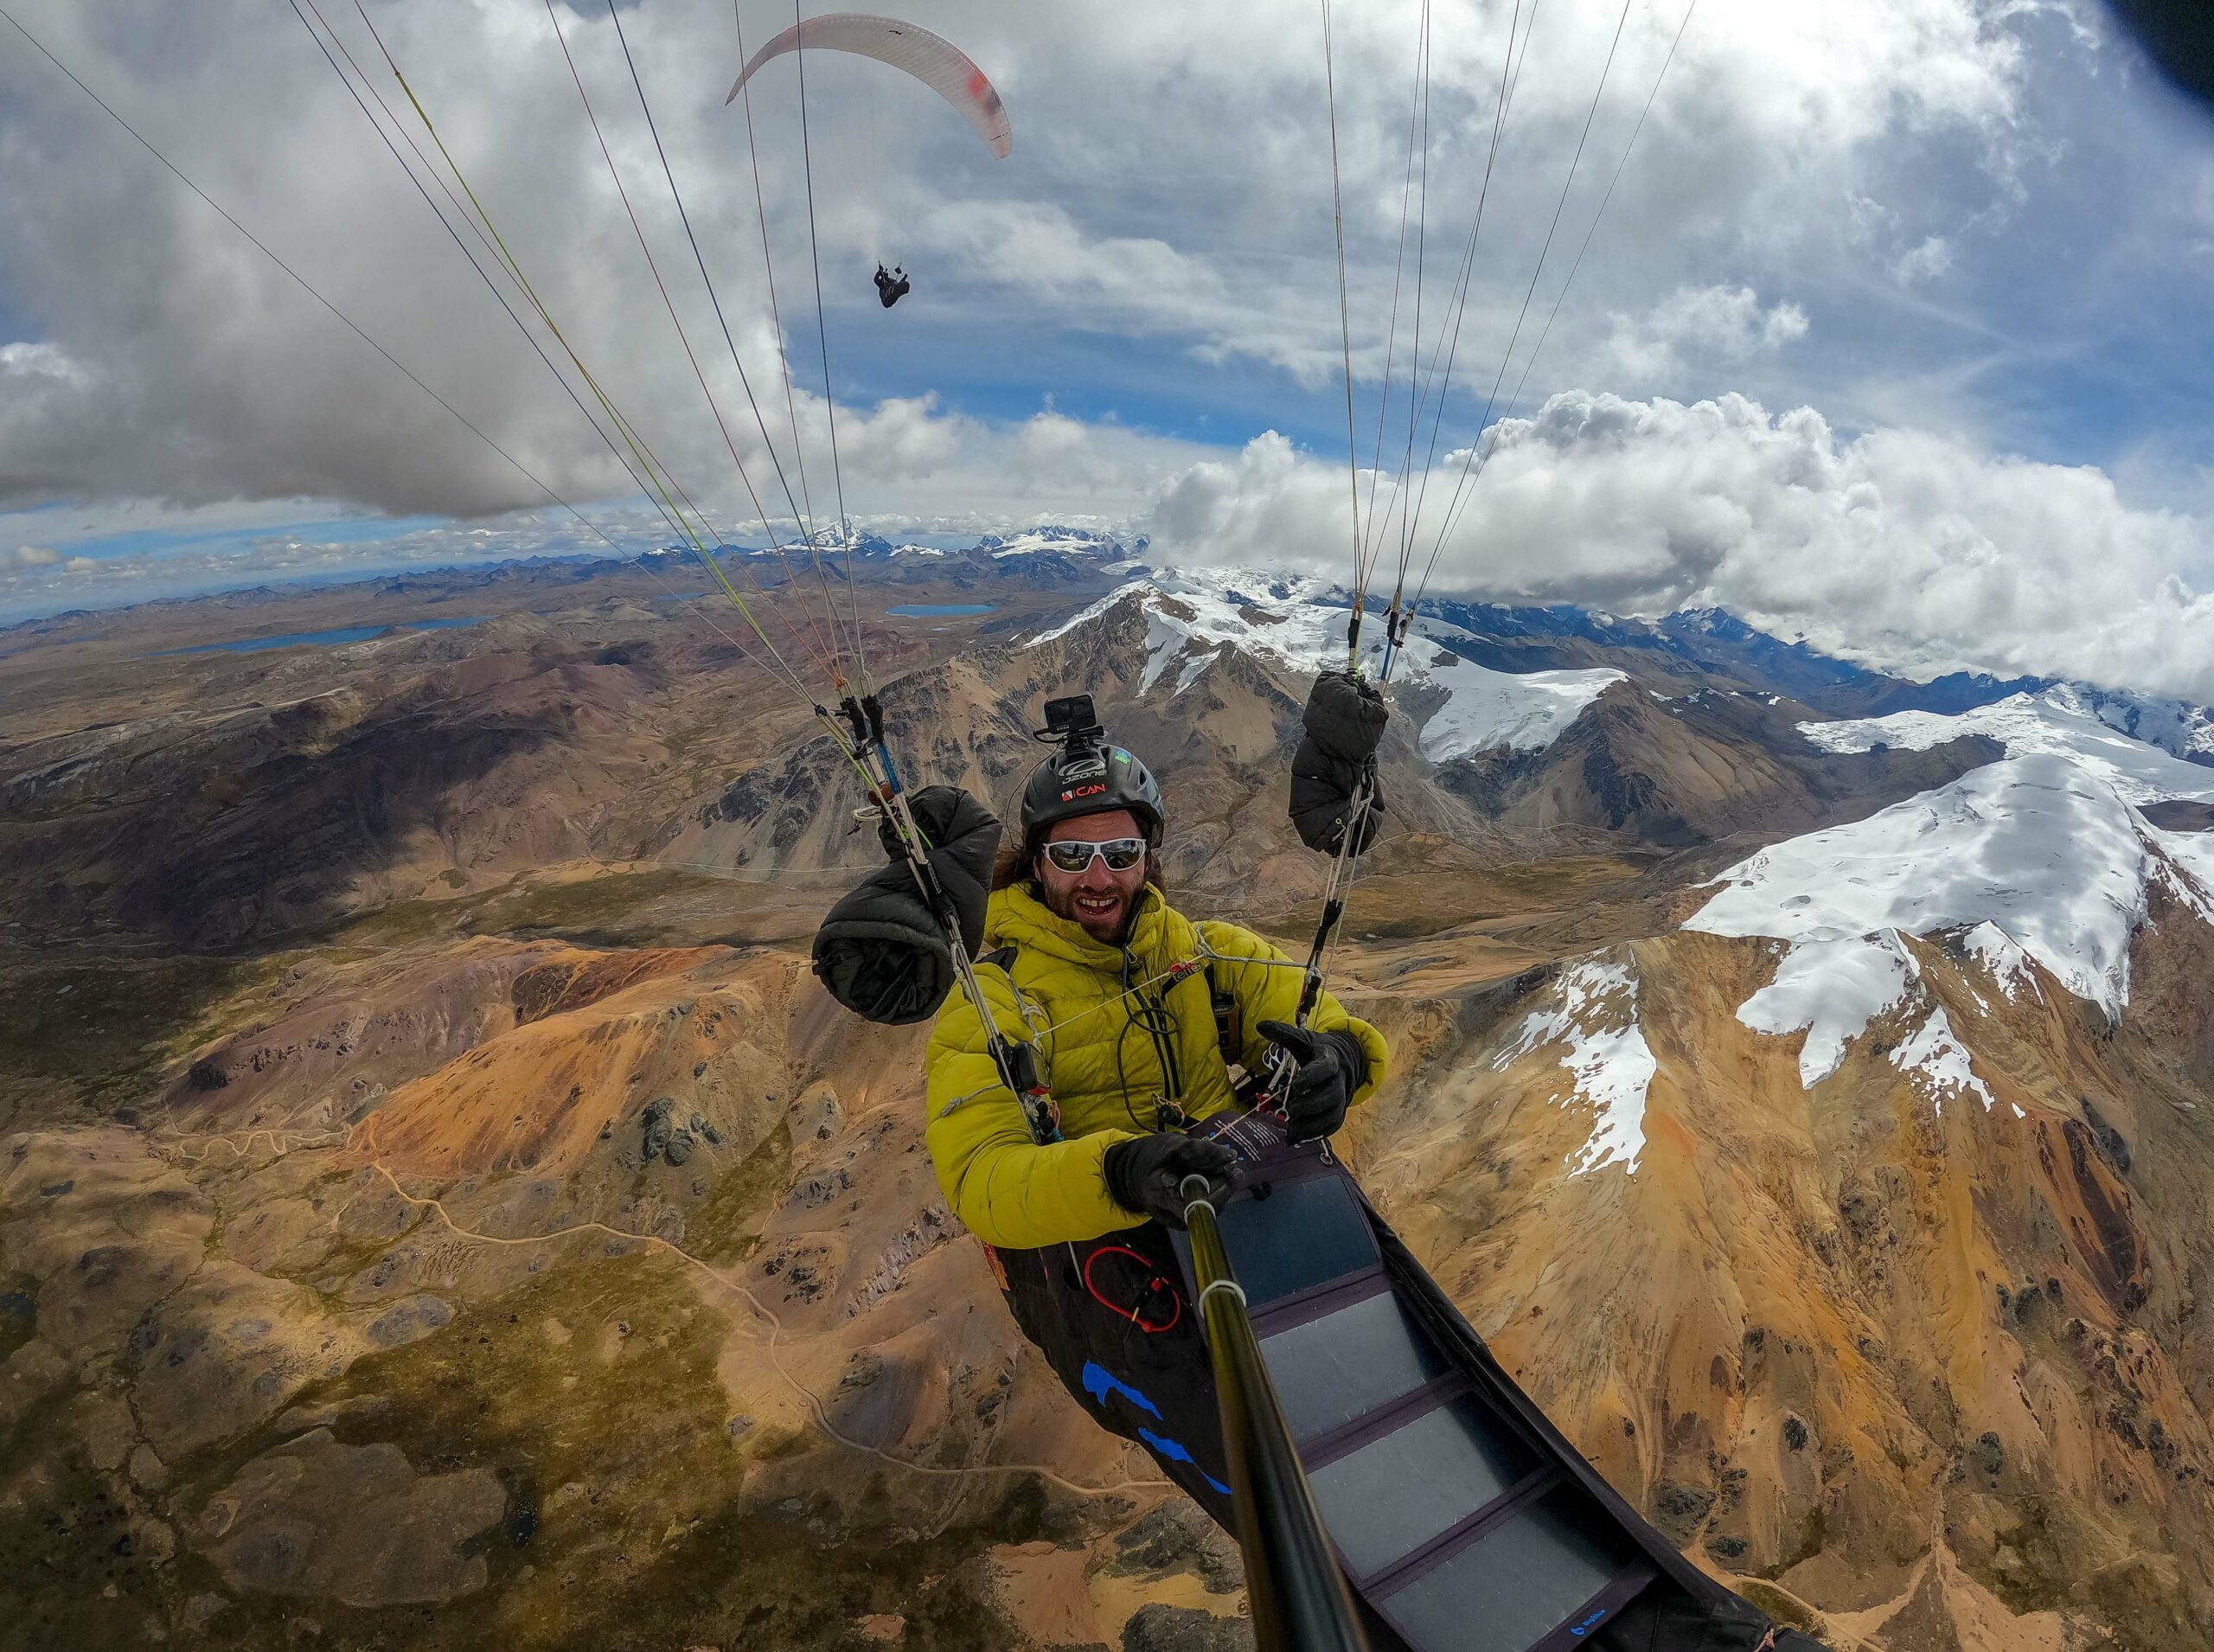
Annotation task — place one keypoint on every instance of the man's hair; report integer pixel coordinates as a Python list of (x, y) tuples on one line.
[(1017, 863)]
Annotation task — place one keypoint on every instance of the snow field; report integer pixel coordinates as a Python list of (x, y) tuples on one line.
[(2041, 847), (1190, 617), (1595, 1020), (2058, 722), (2037, 857)]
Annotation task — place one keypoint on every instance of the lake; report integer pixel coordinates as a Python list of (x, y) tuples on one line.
[(925, 610)]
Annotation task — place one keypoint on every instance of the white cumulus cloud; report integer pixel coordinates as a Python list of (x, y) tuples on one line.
[(1902, 548)]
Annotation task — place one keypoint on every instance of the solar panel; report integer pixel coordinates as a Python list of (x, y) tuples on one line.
[(1389, 1497), (1463, 1529), (1336, 1369)]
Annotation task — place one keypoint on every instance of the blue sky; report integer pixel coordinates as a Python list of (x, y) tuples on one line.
[(1972, 239)]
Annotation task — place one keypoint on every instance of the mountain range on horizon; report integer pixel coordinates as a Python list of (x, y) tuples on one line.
[(1710, 638)]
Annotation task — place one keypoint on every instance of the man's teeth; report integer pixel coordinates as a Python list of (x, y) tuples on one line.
[(1098, 903)]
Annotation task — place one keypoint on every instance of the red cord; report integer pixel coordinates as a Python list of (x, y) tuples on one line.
[(1154, 1284)]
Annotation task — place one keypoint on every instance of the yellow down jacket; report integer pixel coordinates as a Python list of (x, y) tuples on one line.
[(1065, 993)]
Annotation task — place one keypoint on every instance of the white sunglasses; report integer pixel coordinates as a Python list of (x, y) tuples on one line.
[(1074, 854)]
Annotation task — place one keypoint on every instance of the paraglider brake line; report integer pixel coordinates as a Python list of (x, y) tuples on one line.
[(1015, 1061)]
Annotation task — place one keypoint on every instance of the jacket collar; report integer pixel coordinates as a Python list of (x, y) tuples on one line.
[(1018, 918)]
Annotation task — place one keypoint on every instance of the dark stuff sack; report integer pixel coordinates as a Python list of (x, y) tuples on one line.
[(881, 952)]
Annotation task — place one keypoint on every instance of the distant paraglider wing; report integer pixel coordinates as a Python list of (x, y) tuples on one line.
[(938, 64)]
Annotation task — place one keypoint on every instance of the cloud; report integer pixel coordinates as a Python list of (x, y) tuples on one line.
[(1268, 504), (902, 440), (1718, 324), (1852, 206), (29, 556), (174, 363), (1903, 549), (24, 360), (1924, 261), (950, 474)]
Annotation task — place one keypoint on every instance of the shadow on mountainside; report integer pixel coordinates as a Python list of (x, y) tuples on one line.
[(211, 832)]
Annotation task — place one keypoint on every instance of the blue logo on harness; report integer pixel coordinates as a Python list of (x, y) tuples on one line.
[(1589, 1623), (1099, 1382), (1176, 1453)]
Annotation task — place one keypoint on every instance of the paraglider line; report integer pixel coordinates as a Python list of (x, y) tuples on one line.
[(352, 326), (1345, 338), (1413, 362), (658, 473), (355, 328), (528, 337), (653, 127), (1414, 353), (769, 267), (655, 470), (445, 222), (1591, 230), (822, 340), (669, 305), (1399, 264), (1544, 252), (1510, 78), (616, 18)]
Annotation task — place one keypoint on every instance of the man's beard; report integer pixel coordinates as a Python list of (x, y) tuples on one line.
[(1062, 903)]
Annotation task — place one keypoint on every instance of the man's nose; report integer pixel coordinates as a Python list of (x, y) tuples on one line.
[(1095, 875)]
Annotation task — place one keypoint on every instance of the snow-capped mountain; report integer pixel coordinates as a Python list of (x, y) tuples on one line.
[(1302, 622), (2044, 848), (2064, 720), (1069, 541), (2041, 862)]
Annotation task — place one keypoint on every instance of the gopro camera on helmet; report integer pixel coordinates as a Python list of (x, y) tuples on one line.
[(1087, 775), (1072, 721)]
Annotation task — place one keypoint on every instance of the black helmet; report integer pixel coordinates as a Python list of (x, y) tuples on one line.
[(1092, 780), (1087, 776)]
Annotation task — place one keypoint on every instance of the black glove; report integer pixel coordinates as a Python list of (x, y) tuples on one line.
[(1146, 1174), (1332, 1065)]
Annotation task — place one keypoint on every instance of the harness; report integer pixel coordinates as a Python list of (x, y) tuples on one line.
[(1228, 1009)]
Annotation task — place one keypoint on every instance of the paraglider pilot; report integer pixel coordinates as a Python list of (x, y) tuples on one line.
[(890, 286), (1145, 1026), (1078, 937), (1146, 1023)]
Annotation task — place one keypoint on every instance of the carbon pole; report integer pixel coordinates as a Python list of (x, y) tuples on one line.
[(1293, 1586)]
